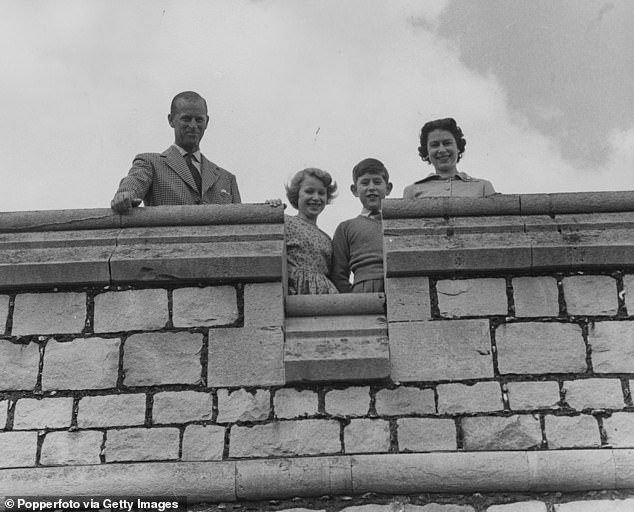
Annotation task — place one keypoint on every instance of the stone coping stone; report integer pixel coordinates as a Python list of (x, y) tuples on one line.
[(335, 304)]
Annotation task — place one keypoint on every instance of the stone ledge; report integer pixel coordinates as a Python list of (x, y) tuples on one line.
[(449, 472), (336, 304)]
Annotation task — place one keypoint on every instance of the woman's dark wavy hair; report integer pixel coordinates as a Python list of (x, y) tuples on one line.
[(448, 124), (292, 188)]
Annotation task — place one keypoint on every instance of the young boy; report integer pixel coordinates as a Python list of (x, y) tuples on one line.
[(358, 243)]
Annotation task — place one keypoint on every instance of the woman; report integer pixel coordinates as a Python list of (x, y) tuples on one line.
[(308, 248), (442, 144)]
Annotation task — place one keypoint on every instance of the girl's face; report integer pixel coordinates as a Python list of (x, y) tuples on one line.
[(312, 198), (443, 151)]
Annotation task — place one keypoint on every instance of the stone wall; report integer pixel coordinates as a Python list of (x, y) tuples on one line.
[(146, 354)]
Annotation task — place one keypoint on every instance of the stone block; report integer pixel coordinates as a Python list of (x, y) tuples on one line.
[(182, 407), (535, 296), (405, 400), (619, 429), (18, 449), (151, 359), (603, 505), (246, 357), (139, 444), (31, 413), (533, 395), (202, 307), (335, 326), (19, 365), (263, 305), (366, 436), (83, 363), (519, 432), (628, 288), (282, 438), (571, 470), (49, 313), (535, 347), (339, 357), (443, 350), (71, 448), (519, 506), (472, 297), (426, 434), (624, 468), (4, 311), (242, 405), (4, 407), (590, 295), (294, 403), (572, 432), (111, 411), (594, 394), (408, 299), (203, 442), (479, 397), (131, 310), (612, 345), (354, 401)]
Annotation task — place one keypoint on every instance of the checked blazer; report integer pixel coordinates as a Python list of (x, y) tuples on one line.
[(164, 179)]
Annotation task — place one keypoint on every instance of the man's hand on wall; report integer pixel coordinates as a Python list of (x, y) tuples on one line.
[(122, 202)]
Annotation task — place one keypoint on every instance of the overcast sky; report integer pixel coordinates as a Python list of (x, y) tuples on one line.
[(543, 90)]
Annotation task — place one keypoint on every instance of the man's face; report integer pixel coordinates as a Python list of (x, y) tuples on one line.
[(189, 121)]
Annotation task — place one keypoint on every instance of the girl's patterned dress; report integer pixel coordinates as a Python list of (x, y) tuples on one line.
[(309, 253)]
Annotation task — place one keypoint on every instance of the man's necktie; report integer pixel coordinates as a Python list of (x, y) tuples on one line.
[(194, 171)]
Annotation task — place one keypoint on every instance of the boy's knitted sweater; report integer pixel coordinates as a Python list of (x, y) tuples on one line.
[(357, 247)]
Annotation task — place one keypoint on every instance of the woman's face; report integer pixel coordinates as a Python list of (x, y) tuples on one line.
[(443, 151), (312, 198)]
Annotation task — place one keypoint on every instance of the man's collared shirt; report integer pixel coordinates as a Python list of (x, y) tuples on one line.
[(196, 156), (460, 185)]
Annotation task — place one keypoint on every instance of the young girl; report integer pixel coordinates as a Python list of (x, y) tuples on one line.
[(308, 248)]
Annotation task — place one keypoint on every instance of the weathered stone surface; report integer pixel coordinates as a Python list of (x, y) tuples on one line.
[(71, 448), (84, 363), (241, 405), (203, 442), (31, 413), (246, 357), (405, 400), (590, 295), (151, 359), (353, 401), (340, 357), (572, 432), (213, 305), (49, 313), (182, 406), (628, 288), (263, 305), (612, 345), (535, 296), (407, 299), (519, 432), (335, 326), (4, 407), (533, 395), (624, 467), (111, 411), (131, 310), (18, 449), (4, 311), (366, 436), (459, 398), (571, 470), (535, 347), (594, 394), (472, 297), (335, 304), (426, 434), (290, 477), (140, 444), (607, 505), (520, 506), (19, 365), (443, 350), (294, 403), (302, 437), (620, 429)]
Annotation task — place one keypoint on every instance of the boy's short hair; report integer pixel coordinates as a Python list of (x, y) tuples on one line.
[(370, 166)]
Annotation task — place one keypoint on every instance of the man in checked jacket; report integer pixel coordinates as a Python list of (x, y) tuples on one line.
[(181, 174)]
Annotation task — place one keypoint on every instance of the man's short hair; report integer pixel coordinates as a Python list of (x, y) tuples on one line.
[(369, 166), (190, 96)]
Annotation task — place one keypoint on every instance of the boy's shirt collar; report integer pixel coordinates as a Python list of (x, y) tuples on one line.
[(369, 214)]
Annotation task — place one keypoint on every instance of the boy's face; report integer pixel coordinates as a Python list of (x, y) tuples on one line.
[(371, 189)]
